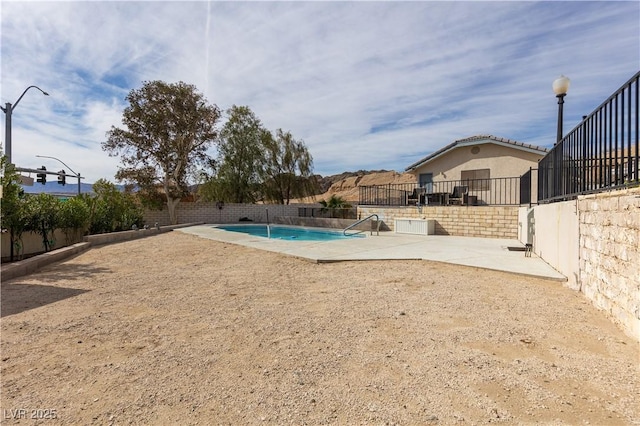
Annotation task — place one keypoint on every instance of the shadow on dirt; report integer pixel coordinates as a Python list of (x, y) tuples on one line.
[(65, 271), (21, 294), (18, 298)]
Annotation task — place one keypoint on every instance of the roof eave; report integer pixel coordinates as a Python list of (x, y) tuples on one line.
[(476, 140)]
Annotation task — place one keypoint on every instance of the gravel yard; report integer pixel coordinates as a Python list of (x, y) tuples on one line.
[(176, 329)]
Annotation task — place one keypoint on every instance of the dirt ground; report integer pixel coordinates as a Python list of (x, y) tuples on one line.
[(176, 329)]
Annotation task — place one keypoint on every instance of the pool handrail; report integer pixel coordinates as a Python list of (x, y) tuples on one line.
[(344, 232)]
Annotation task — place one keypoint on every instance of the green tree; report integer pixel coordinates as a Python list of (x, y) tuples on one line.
[(13, 206), (168, 130), (43, 217), (112, 210), (238, 174), (288, 169), (74, 219)]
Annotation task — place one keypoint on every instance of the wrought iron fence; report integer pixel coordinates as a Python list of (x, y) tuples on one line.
[(495, 191), (328, 212), (601, 153)]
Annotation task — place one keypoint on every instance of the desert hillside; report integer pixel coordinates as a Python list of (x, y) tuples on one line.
[(346, 184)]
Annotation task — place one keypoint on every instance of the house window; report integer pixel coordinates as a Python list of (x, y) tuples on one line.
[(426, 181), (477, 180)]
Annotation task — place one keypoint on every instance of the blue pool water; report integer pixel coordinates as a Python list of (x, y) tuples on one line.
[(292, 233)]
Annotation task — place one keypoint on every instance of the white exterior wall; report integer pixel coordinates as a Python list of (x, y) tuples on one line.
[(556, 238), (503, 161)]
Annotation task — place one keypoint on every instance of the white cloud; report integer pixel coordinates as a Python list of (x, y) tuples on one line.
[(365, 84)]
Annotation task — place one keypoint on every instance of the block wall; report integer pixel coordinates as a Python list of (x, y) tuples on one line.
[(32, 243), (466, 221), (610, 254), (470, 221), (229, 213)]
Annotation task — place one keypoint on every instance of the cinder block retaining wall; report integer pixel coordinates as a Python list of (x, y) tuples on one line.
[(32, 264), (465, 221), (469, 221), (32, 243), (610, 254), (229, 213)]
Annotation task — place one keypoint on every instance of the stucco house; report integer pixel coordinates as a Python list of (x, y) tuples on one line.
[(482, 167)]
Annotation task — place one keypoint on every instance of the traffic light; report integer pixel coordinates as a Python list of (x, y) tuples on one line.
[(62, 176), (42, 177)]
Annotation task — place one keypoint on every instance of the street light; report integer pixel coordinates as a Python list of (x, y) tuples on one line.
[(70, 169), (560, 88), (8, 110)]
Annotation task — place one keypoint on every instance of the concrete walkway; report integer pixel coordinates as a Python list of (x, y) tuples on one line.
[(487, 253)]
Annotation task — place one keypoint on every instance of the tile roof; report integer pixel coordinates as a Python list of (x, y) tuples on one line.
[(475, 140)]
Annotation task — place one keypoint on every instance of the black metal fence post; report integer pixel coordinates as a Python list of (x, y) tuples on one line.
[(600, 153)]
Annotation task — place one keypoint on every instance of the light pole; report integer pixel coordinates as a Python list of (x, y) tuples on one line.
[(70, 169), (8, 110), (560, 88)]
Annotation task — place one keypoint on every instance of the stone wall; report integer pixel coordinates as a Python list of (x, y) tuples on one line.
[(466, 221), (610, 254)]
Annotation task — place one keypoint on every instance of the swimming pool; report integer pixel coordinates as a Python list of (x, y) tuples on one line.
[(279, 232)]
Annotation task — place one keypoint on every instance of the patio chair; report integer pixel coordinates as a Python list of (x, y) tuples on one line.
[(418, 196), (457, 196)]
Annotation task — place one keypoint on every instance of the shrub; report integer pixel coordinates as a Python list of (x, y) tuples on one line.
[(74, 219), (43, 212)]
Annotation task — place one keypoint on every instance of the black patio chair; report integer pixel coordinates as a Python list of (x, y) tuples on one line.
[(457, 196)]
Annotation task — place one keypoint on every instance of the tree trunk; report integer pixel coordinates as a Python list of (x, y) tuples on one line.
[(172, 203), (12, 241), (45, 239)]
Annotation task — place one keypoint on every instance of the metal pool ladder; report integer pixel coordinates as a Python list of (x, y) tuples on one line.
[(344, 232)]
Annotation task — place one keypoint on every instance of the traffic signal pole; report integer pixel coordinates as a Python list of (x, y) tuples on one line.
[(66, 165), (43, 172)]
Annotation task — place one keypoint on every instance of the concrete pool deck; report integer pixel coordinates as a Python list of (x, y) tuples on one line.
[(487, 253)]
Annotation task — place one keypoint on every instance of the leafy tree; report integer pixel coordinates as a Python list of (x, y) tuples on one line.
[(168, 129), (288, 169), (43, 217), (111, 210), (12, 207), (254, 165), (240, 147), (334, 203), (74, 218)]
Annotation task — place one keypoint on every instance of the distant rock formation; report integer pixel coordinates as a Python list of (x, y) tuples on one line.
[(346, 185)]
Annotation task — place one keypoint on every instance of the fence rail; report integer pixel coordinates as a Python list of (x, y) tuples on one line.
[(601, 153), (496, 191), (328, 212)]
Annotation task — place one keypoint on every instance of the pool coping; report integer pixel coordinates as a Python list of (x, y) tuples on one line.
[(313, 229), (484, 253)]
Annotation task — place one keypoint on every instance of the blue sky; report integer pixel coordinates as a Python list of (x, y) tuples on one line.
[(366, 85)]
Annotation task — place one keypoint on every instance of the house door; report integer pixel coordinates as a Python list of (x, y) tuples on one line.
[(426, 181)]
